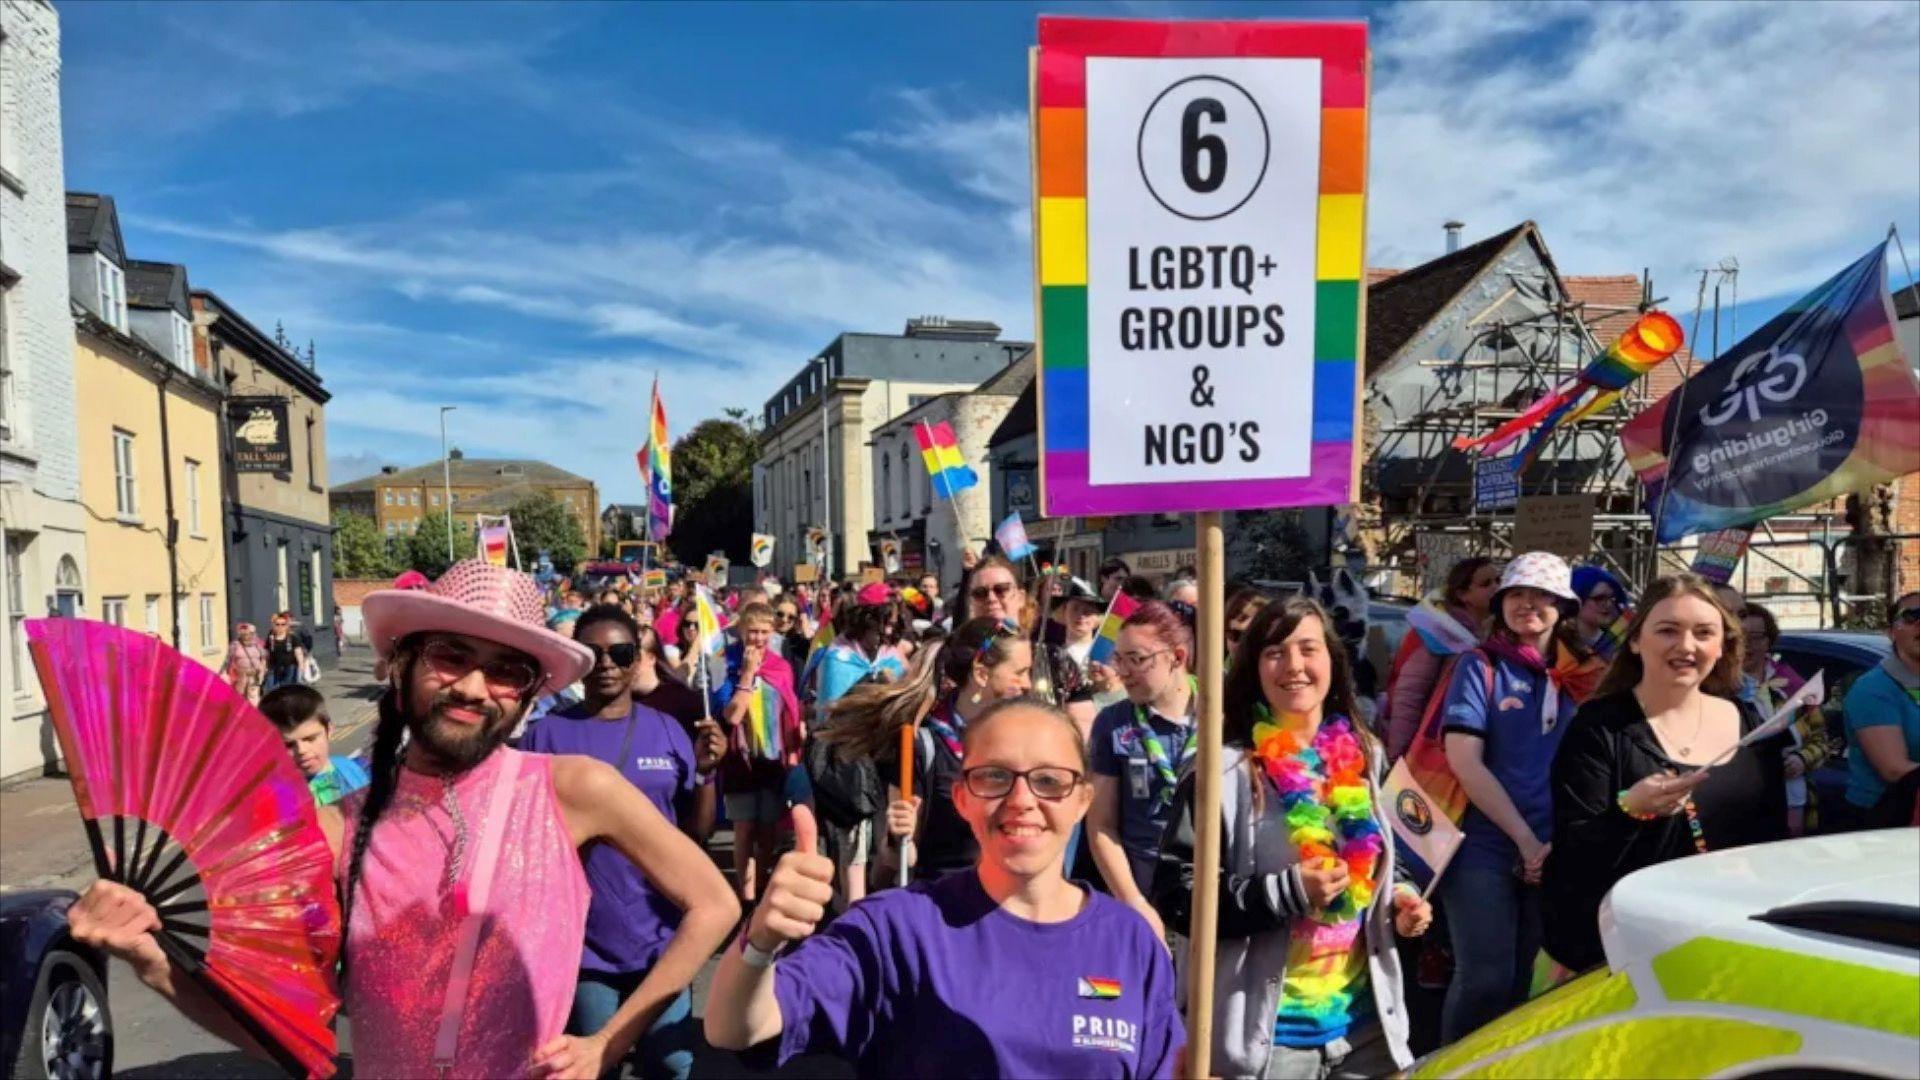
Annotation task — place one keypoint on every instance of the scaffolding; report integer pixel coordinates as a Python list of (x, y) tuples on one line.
[(1517, 352)]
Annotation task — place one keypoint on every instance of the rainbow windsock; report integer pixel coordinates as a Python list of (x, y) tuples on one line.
[(493, 544), (1108, 639), (763, 722), (940, 451), (1653, 337)]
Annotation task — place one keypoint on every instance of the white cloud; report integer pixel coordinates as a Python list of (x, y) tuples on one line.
[(1666, 135)]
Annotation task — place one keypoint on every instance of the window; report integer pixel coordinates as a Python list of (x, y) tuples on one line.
[(193, 497), (906, 482), (280, 582), (182, 343), (206, 622), (16, 609), (433, 499), (113, 610), (126, 500), (7, 416), (314, 604), (113, 292), (390, 528), (313, 475), (413, 498), (886, 487), (153, 614), (66, 588), (388, 495)]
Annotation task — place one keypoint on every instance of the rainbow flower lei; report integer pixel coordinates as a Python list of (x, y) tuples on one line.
[(1323, 791)]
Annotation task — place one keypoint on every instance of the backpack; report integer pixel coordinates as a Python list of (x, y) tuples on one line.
[(845, 792)]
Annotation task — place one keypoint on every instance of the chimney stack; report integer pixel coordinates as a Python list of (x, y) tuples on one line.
[(1453, 235)]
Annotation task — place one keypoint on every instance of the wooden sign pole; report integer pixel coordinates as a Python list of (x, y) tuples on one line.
[(1202, 935)]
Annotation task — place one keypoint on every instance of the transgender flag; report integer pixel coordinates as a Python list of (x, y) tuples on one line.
[(656, 470)]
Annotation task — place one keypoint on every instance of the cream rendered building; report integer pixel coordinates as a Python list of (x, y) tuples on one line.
[(149, 434), (864, 380)]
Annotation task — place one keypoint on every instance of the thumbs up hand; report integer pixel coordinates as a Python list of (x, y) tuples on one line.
[(798, 893)]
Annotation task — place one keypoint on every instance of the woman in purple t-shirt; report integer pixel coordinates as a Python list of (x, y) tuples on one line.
[(629, 923), (1007, 970)]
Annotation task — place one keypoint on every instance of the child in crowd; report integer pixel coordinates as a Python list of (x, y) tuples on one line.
[(301, 715)]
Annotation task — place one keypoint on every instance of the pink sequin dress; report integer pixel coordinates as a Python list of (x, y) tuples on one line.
[(404, 929)]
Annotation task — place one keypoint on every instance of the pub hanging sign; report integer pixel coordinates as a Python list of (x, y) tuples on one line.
[(261, 441)]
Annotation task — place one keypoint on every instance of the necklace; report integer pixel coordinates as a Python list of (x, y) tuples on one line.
[(1682, 749), (1324, 796)]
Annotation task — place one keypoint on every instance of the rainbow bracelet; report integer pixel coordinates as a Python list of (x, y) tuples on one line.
[(1621, 801)]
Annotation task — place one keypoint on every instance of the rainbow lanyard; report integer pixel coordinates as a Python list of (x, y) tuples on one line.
[(1157, 750), (945, 730)]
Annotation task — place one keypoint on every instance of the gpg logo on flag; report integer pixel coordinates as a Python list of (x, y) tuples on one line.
[(1781, 378)]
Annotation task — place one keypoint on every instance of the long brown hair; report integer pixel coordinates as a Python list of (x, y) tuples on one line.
[(867, 721), (1245, 698), (1722, 681)]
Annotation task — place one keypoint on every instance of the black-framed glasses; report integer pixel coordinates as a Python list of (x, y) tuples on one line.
[(1048, 782), (784, 615), (505, 675), (622, 653), (998, 590)]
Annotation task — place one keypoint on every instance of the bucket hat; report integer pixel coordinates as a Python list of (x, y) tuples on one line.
[(1538, 570), (480, 600)]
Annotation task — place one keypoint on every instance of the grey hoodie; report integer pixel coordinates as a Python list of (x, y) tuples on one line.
[(1261, 894)]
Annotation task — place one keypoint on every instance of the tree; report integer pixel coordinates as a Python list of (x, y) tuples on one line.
[(1272, 545), (542, 523), (359, 551), (426, 549), (713, 489)]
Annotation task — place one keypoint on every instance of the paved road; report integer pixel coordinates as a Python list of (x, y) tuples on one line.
[(42, 846)]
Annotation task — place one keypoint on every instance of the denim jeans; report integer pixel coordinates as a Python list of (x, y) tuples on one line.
[(665, 1052), (1494, 920)]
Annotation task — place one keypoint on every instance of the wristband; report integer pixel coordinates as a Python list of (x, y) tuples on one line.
[(1621, 799), (753, 956)]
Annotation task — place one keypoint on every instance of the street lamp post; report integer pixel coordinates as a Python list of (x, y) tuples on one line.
[(446, 477), (826, 466)]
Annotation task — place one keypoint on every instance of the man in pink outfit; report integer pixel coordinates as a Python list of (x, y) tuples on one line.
[(462, 856)]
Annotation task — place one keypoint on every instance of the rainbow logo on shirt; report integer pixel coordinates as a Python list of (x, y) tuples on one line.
[(1099, 989)]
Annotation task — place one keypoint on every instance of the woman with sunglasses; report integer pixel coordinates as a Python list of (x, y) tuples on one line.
[(1306, 979), (983, 664), (1006, 969), (629, 924), (993, 592)]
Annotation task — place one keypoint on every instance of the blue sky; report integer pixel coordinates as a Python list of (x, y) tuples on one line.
[(527, 211)]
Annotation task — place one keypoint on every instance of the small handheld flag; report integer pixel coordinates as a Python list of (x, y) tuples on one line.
[(1811, 692), (1108, 639), (940, 452), (1012, 535), (712, 640), (654, 579)]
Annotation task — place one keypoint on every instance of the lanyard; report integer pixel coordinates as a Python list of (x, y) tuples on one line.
[(1157, 751)]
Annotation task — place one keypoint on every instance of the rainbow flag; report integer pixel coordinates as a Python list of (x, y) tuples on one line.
[(1817, 403), (656, 470), (493, 544), (654, 579), (1099, 989), (940, 451), (1108, 639), (763, 722)]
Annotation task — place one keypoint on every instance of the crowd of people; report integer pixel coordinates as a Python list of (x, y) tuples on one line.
[(963, 828)]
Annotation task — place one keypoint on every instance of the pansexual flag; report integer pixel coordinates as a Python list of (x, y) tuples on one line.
[(940, 450), (1108, 639), (763, 722), (656, 470), (705, 612)]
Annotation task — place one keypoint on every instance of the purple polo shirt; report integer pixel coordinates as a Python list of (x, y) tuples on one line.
[(935, 979), (628, 923)]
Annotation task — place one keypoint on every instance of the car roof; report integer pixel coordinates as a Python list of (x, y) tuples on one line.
[(1720, 894)]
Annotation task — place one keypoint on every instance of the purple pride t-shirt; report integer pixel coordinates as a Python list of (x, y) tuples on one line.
[(936, 980), (628, 923)]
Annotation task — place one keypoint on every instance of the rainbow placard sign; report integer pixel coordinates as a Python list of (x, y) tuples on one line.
[(1199, 247)]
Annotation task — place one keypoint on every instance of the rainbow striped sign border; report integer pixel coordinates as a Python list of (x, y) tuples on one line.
[(1059, 132)]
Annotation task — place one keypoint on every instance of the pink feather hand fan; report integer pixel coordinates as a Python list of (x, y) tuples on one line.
[(190, 798)]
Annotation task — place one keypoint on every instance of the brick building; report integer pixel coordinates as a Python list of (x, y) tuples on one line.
[(399, 499)]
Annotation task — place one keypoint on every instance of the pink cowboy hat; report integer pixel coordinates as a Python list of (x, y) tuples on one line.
[(481, 600)]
